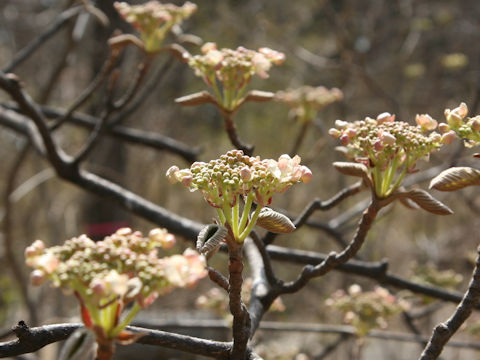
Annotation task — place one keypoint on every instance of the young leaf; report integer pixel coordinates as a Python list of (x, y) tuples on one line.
[(455, 178), (198, 98), (210, 238), (275, 222), (427, 202), (351, 169)]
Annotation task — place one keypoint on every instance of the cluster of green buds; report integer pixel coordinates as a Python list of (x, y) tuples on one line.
[(366, 310), (306, 101), (107, 275), (153, 20), (458, 124), (387, 149), (223, 181), (228, 71)]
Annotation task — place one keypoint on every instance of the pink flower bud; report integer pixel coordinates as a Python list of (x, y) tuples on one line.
[(387, 138), (306, 174), (385, 117), (208, 46), (37, 277), (335, 133), (443, 128), (98, 286), (351, 133), (378, 146), (344, 139), (168, 242), (245, 174), (426, 122), (187, 180), (171, 174), (448, 137), (340, 124), (476, 124)]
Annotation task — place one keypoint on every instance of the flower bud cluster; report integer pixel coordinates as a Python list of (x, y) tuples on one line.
[(366, 310), (222, 180), (233, 69), (154, 20), (378, 142), (123, 267), (306, 101), (458, 124), (385, 146)]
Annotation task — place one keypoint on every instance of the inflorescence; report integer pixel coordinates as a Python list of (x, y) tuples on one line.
[(459, 124), (154, 20), (223, 181), (229, 71), (386, 146), (306, 101), (109, 274), (366, 310)]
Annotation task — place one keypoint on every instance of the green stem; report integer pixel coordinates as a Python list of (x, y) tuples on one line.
[(246, 212), (251, 224), (221, 216), (235, 211), (135, 309)]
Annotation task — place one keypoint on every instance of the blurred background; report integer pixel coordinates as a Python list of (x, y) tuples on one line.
[(405, 57)]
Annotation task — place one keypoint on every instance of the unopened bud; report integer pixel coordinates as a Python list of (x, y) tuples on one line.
[(344, 139), (443, 128), (335, 133), (448, 137), (387, 138), (37, 277), (385, 117)]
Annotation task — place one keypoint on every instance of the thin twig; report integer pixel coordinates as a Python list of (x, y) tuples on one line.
[(444, 331), (28, 50), (317, 204), (231, 129)]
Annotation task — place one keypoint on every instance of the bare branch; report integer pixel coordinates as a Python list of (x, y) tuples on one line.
[(444, 331), (28, 50)]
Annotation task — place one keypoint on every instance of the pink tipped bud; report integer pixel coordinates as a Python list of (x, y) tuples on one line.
[(426, 122), (476, 124), (448, 137), (461, 110), (124, 231), (169, 242), (187, 180), (340, 124), (98, 286), (171, 174), (378, 145), (344, 139), (208, 46), (351, 133), (387, 138), (443, 128), (37, 277), (306, 174), (245, 174), (385, 117), (335, 133)]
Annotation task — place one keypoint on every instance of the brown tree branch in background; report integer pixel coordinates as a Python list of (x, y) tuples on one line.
[(317, 204), (21, 125), (33, 339), (300, 137), (444, 331), (144, 93), (231, 130), (20, 281), (56, 26)]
